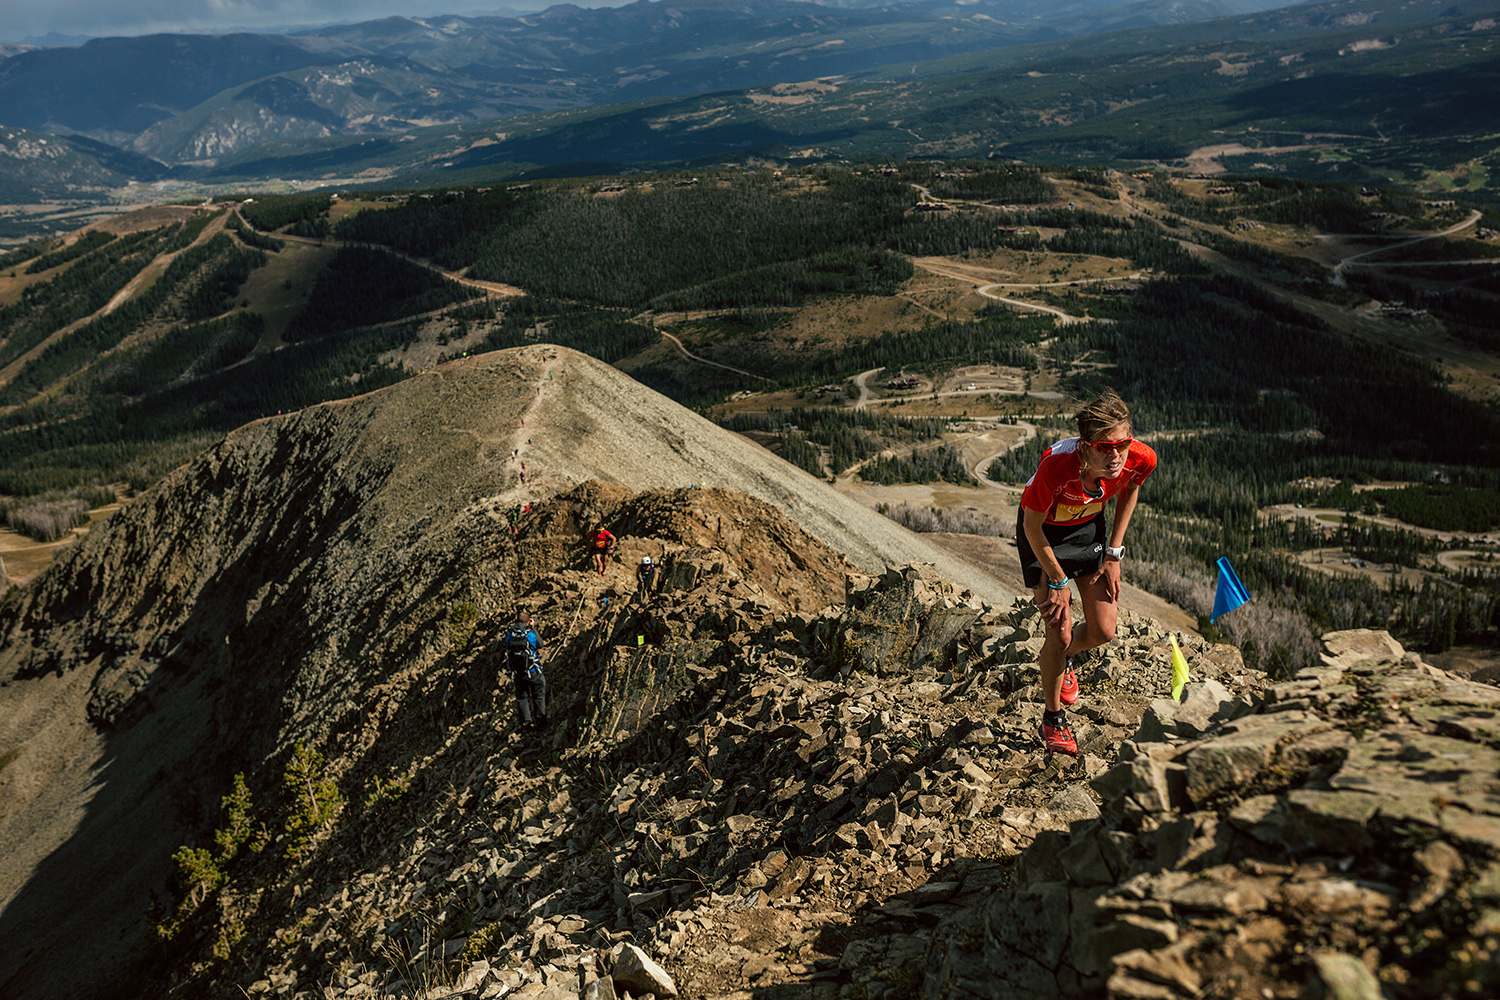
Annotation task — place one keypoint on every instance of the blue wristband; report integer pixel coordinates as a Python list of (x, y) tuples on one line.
[(1061, 585)]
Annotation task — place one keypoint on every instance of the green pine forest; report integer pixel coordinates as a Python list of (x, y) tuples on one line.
[(1220, 362)]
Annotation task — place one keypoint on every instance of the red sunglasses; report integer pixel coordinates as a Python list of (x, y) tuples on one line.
[(1120, 445)]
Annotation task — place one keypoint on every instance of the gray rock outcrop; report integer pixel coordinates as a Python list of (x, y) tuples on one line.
[(762, 811), (1339, 829)]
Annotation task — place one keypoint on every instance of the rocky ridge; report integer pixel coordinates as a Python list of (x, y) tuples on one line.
[(799, 827), (1334, 836), (425, 675), (776, 777), (307, 566), (791, 813)]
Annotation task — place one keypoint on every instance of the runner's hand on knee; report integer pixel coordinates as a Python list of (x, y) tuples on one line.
[(1054, 604), (1110, 573)]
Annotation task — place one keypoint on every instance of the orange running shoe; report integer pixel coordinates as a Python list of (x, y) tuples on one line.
[(1069, 692), (1059, 738)]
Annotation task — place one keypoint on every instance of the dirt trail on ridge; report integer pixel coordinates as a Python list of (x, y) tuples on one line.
[(589, 421)]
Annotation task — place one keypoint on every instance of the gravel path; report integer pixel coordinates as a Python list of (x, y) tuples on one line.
[(861, 382), (985, 289)]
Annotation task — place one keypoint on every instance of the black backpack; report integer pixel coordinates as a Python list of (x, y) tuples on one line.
[(520, 657)]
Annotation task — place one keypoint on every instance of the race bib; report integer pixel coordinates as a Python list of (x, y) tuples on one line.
[(1076, 512)]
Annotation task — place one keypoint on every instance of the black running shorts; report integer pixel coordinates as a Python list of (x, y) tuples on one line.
[(1079, 547)]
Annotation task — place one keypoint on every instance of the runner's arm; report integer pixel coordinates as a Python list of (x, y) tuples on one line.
[(1054, 604), (1124, 507)]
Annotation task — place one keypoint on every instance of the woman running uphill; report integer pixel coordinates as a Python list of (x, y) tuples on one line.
[(1060, 535)]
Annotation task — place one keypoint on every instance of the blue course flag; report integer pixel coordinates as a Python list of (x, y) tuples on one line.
[(1231, 593)]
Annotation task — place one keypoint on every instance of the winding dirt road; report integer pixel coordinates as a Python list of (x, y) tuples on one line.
[(702, 360), (1453, 559), (864, 389), (865, 399), (1322, 514), (938, 266), (984, 463), (1474, 216), (494, 288)]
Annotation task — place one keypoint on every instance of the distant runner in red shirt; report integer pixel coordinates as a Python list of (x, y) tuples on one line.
[(602, 543), (1061, 536)]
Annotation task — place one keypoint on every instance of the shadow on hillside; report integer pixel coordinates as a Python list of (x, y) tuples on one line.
[(215, 692), (168, 738)]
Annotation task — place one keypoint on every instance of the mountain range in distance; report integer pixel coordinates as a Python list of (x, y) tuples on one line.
[(1343, 90), (50, 40), (308, 585), (188, 98)]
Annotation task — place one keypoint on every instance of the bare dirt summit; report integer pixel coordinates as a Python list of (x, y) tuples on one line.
[(585, 420)]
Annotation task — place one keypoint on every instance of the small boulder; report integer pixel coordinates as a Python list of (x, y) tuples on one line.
[(637, 972), (1338, 976), (1204, 703), (599, 989)]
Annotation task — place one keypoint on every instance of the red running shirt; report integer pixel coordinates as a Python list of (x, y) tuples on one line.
[(1057, 490), (602, 539)]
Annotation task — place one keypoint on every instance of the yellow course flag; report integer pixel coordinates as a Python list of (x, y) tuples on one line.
[(1179, 670)]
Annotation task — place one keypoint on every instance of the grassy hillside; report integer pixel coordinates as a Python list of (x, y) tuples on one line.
[(1227, 311), (746, 251)]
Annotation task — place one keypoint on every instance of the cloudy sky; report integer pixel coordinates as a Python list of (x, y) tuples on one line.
[(21, 19)]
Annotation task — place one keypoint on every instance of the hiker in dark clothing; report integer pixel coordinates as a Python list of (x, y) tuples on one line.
[(522, 649), (645, 578)]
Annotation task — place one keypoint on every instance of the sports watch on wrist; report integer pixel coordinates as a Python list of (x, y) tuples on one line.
[(1117, 552)]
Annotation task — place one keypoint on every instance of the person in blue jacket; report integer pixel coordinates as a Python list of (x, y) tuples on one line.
[(521, 647)]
